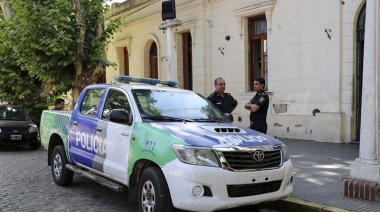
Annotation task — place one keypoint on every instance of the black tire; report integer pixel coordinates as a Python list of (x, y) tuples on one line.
[(153, 191), (61, 175)]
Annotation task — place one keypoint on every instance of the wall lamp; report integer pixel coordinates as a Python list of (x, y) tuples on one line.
[(221, 49), (328, 31)]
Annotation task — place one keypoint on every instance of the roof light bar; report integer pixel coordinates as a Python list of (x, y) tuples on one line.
[(151, 81)]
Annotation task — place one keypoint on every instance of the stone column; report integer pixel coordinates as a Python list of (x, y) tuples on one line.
[(367, 166)]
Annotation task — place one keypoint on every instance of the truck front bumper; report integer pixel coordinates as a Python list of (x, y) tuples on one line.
[(18, 138), (200, 188)]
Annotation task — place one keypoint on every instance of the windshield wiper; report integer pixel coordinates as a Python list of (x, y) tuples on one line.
[(206, 120), (167, 118)]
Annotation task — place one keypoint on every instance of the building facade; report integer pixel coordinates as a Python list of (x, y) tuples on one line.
[(310, 52)]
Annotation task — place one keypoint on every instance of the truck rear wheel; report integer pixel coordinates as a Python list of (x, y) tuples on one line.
[(61, 175), (153, 191)]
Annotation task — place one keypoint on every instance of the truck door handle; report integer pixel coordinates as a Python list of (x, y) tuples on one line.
[(75, 123), (98, 129)]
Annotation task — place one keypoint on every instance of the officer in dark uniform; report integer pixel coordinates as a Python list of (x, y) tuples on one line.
[(258, 106), (224, 101), (59, 104)]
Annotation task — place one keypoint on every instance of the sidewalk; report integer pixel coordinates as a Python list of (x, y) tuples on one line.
[(318, 172)]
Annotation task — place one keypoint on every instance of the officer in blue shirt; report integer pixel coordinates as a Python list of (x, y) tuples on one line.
[(258, 106), (224, 101)]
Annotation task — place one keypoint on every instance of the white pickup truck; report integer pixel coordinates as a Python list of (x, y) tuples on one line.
[(168, 147)]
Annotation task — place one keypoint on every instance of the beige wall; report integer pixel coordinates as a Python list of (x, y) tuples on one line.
[(307, 70)]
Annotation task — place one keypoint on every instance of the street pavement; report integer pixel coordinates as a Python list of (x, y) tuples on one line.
[(26, 183), (319, 168)]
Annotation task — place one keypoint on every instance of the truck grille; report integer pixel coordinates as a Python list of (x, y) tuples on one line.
[(14, 129), (245, 160), (253, 189)]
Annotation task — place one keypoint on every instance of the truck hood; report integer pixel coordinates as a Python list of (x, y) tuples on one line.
[(216, 134), (8, 123)]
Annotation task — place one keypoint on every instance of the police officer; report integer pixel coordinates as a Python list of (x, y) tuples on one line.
[(59, 104), (258, 106), (224, 101)]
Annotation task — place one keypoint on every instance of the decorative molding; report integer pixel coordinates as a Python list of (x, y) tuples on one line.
[(254, 10), (188, 26), (268, 15), (126, 42), (130, 6)]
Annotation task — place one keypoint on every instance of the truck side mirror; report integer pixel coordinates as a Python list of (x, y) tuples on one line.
[(120, 116)]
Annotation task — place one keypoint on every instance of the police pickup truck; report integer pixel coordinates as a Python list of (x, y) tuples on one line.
[(168, 147)]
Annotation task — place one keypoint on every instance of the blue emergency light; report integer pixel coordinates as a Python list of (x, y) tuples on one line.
[(151, 81)]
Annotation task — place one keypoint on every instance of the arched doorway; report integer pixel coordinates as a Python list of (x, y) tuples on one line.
[(101, 78), (360, 31), (153, 61)]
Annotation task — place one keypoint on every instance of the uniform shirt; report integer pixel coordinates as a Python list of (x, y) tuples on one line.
[(55, 108), (225, 104), (261, 99)]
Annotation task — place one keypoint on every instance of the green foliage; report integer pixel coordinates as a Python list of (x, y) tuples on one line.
[(39, 44), (21, 89)]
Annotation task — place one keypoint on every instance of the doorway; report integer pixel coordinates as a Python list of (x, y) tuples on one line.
[(187, 61), (126, 61), (360, 31)]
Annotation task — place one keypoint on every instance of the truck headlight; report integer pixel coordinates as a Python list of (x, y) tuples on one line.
[(200, 156), (32, 128), (284, 150)]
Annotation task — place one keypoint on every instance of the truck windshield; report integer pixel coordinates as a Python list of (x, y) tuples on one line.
[(181, 104), (12, 113)]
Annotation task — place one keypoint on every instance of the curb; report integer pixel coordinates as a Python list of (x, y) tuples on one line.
[(295, 205)]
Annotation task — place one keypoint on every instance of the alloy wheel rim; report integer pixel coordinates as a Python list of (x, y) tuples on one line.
[(57, 166), (148, 197)]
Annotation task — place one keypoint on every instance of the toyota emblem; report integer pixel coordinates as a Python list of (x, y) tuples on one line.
[(258, 155)]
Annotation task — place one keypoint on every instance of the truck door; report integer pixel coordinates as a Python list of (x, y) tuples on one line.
[(85, 145), (116, 135)]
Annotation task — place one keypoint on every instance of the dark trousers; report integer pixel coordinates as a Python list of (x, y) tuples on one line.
[(259, 125)]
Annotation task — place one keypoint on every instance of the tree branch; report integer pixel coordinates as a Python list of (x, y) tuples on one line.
[(82, 29), (6, 9)]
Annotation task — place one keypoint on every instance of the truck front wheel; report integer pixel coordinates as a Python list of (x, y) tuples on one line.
[(153, 191), (61, 175)]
